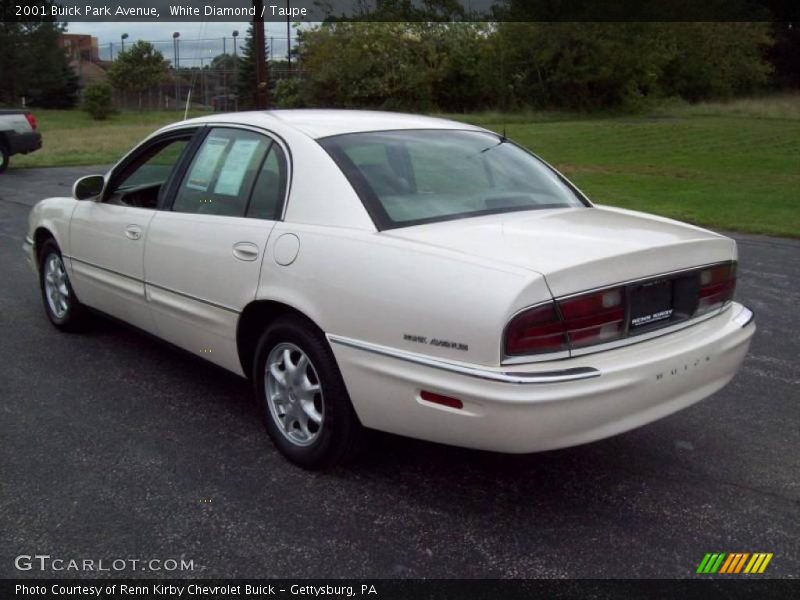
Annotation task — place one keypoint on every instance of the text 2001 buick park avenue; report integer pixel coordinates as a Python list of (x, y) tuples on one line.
[(401, 273)]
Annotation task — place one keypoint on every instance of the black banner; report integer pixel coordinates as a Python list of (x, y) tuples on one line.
[(311, 11), (380, 589)]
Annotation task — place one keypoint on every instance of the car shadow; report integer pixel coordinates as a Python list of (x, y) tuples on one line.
[(564, 481)]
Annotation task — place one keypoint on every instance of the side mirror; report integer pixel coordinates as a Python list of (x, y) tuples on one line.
[(89, 187)]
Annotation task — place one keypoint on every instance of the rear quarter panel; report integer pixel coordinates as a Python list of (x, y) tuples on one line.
[(400, 294)]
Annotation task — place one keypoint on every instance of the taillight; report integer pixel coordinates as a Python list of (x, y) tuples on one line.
[(580, 321), (536, 330), (594, 318), (717, 285), (601, 317), (31, 120)]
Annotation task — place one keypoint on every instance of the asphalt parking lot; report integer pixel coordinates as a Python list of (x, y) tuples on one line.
[(113, 445)]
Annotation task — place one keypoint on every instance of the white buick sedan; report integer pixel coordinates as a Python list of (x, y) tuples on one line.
[(399, 273)]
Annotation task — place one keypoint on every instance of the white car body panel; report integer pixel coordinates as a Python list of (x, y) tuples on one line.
[(579, 249), (107, 267), (52, 215), (376, 294), (637, 384), (352, 299), (196, 288)]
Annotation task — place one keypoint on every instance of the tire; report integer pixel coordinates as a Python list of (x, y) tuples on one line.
[(60, 302), (5, 157), (313, 429)]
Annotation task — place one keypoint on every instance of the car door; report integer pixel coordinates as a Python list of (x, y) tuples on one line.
[(203, 254), (107, 236)]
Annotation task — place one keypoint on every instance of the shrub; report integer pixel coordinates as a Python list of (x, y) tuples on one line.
[(98, 102), (288, 93)]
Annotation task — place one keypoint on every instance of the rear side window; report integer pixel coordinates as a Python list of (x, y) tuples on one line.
[(220, 179), (270, 187)]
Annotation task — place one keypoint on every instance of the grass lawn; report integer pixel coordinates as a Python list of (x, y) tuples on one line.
[(723, 165), (72, 138)]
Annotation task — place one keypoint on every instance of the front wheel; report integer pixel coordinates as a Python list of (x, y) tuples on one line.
[(303, 398), (60, 302)]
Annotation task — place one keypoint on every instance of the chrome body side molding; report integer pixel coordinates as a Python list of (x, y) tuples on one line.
[(541, 377)]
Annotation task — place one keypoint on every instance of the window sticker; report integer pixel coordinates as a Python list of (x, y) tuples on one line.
[(235, 168), (206, 164)]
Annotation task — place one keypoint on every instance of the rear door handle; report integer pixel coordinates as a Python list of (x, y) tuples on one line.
[(133, 232), (245, 251)]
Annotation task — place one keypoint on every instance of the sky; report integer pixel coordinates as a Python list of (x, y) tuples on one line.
[(191, 50)]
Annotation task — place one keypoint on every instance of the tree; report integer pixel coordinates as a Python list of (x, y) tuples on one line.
[(423, 66), (35, 66), (138, 69), (592, 66), (717, 60), (785, 55), (585, 66), (402, 65), (246, 81)]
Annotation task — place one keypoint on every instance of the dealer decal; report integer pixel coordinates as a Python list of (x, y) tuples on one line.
[(644, 319)]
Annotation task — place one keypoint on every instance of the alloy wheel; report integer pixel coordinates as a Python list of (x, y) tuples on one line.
[(55, 286), (294, 394)]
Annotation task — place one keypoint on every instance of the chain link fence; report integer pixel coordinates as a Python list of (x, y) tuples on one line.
[(203, 72)]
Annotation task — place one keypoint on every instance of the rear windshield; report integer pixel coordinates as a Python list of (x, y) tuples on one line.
[(419, 176)]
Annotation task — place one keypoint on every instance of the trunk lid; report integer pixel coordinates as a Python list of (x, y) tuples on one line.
[(579, 249)]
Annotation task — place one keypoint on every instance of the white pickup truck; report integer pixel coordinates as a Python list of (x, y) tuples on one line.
[(18, 135)]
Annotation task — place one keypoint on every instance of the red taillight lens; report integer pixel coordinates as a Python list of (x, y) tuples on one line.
[(594, 318), (580, 321), (537, 330), (31, 120), (717, 285)]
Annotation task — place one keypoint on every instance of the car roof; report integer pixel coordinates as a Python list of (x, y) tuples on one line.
[(319, 123)]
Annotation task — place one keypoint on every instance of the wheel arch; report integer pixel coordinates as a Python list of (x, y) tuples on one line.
[(40, 236), (255, 317), (51, 218)]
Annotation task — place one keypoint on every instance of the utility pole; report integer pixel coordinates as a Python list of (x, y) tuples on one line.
[(262, 99), (288, 39), (235, 72), (176, 67)]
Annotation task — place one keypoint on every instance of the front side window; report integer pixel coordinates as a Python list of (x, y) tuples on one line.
[(140, 183), (420, 176), (220, 178)]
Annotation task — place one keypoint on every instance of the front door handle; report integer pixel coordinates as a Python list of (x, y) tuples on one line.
[(133, 232), (245, 251)]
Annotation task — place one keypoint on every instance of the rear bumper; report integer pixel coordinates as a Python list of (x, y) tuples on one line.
[(24, 143), (547, 405)]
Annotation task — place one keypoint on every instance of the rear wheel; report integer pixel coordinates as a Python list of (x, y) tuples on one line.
[(60, 302), (303, 398), (5, 157)]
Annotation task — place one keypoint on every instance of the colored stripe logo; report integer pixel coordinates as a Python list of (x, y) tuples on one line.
[(734, 563)]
